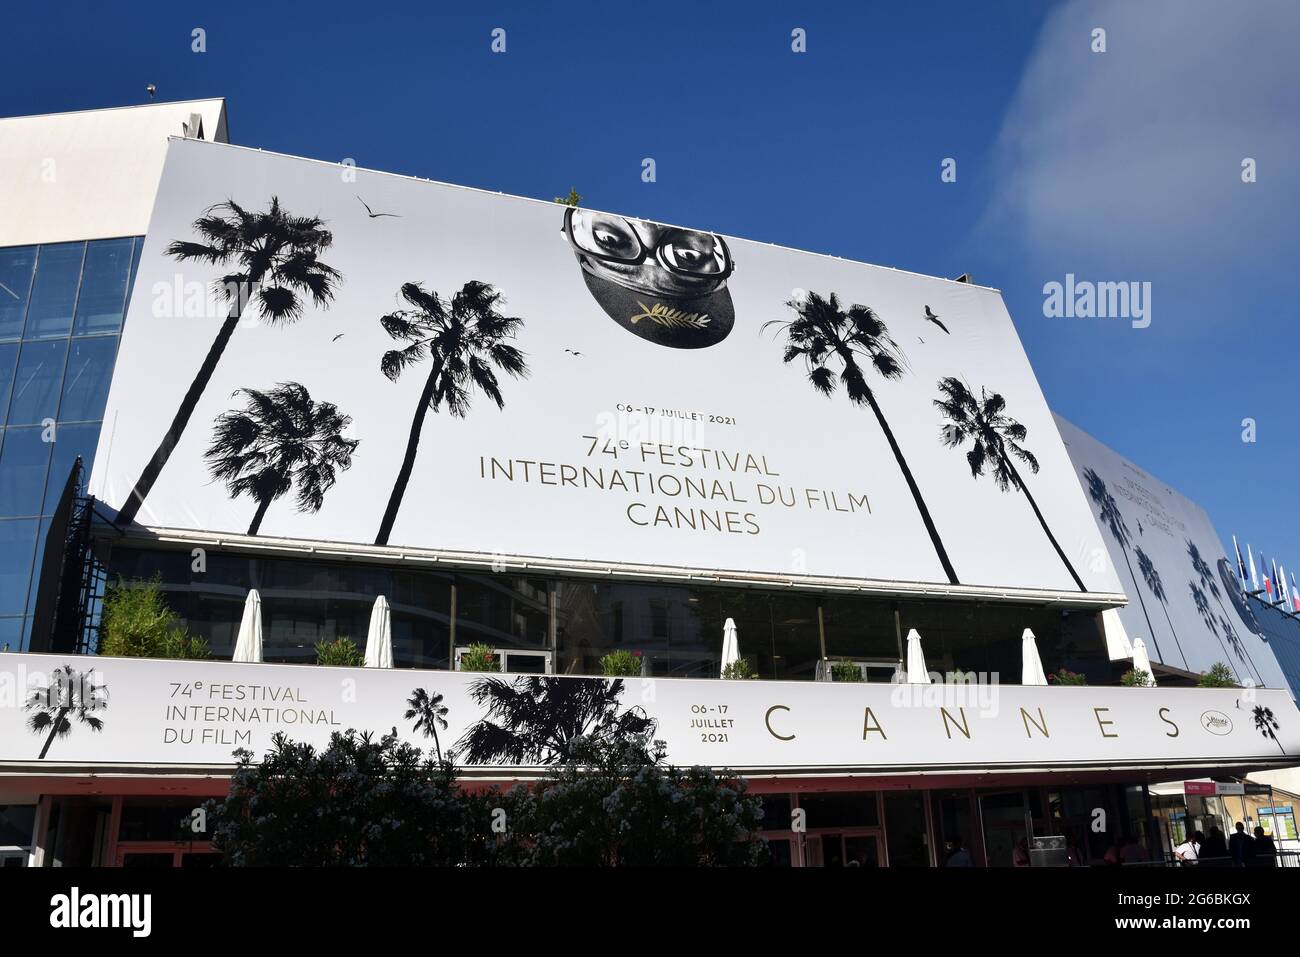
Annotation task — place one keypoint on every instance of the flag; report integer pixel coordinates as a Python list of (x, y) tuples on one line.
[(1295, 595), (1254, 582), (1273, 565), (1268, 582), (1241, 566)]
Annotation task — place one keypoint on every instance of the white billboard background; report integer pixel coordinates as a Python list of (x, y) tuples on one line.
[(442, 237), (194, 714), (1203, 618)]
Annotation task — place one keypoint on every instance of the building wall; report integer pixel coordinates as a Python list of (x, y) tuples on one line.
[(76, 194), (93, 174)]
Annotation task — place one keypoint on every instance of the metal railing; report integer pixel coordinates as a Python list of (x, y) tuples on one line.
[(1279, 858)]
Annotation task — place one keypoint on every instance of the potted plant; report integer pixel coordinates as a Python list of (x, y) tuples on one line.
[(1067, 677), (621, 664), (136, 623), (739, 670), (341, 652), (479, 657), (845, 671), (1219, 676), (1137, 678)]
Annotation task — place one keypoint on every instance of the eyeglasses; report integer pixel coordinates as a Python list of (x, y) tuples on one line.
[(683, 252)]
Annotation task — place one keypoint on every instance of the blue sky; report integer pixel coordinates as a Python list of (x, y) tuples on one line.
[(1118, 166)]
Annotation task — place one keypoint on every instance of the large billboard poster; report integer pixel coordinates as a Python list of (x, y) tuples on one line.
[(428, 367), (1186, 602), (133, 712)]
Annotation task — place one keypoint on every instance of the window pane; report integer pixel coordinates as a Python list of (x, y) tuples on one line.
[(136, 249), (23, 462), (8, 361), (17, 545), (15, 283), (37, 558), (69, 442), (54, 294), (103, 286), (501, 611), (36, 386), (85, 385), (11, 637)]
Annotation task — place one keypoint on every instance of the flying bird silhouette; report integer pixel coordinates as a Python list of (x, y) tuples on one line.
[(572, 353), (931, 317), (338, 337), (373, 214)]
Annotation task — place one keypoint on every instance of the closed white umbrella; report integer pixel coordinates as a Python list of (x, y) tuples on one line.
[(730, 645), (917, 672), (379, 636), (1031, 664), (1141, 660), (248, 646)]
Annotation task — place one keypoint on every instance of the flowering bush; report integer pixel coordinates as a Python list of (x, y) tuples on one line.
[(479, 657), (1067, 677)]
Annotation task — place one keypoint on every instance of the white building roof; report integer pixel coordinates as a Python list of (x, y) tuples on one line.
[(91, 174)]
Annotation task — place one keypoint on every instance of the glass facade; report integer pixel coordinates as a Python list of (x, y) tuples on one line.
[(61, 310), (1283, 635), (676, 629)]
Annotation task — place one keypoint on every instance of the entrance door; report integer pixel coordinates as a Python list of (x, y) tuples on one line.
[(1005, 816), (849, 848)]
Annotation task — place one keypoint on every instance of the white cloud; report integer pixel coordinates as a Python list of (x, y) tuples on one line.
[(1135, 154)]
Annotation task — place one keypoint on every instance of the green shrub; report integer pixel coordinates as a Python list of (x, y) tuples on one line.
[(621, 664), (1067, 677), (1136, 678), (845, 671), (479, 657), (1219, 676), (341, 651), (739, 669), (136, 623)]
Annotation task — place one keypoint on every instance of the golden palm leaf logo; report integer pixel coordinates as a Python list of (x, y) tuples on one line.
[(672, 318)]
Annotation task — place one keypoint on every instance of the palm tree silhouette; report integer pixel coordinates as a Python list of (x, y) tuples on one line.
[(464, 340), (995, 440), (536, 719), (71, 695), (825, 334), (283, 439), (1157, 586), (1113, 519), (1266, 724), (276, 264), (1205, 576), (429, 713)]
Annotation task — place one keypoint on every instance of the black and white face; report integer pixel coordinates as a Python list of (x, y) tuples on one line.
[(648, 257), (664, 284)]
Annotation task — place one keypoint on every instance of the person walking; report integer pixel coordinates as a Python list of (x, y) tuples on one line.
[(1265, 849), (1214, 852), (1132, 851), (1189, 852), (958, 856), (1241, 846)]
